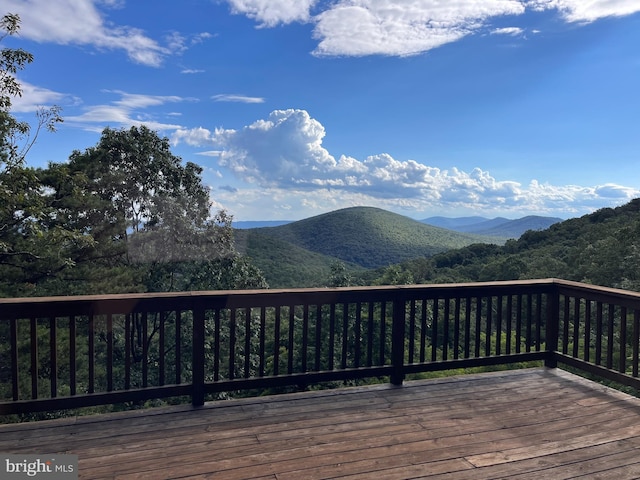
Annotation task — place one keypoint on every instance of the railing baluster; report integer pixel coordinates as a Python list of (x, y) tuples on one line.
[(383, 332), (370, 326), (217, 343), (445, 333), (34, 358), (587, 330), (508, 324), (610, 330), (53, 357), (247, 342), (109, 353), (128, 340), (623, 340), (456, 330), (423, 330), (412, 330), (345, 335), (467, 328), (434, 330), (599, 320), (576, 326), (197, 360), (489, 319), (478, 326), (292, 325), (538, 322), (499, 325), (92, 354), (332, 334), (161, 347), (263, 333), (636, 341), (305, 337), (319, 332), (276, 341), (15, 390), (529, 327), (145, 350), (518, 333), (178, 347), (358, 335)]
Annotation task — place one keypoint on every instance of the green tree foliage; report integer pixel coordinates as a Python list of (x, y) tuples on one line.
[(601, 248), (29, 251), (124, 216), (149, 217)]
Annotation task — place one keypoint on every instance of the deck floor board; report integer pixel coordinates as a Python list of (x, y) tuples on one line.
[(523, 424)]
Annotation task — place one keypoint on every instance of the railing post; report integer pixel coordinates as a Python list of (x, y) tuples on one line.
[(397, 339), (553, 324), (197, 381)]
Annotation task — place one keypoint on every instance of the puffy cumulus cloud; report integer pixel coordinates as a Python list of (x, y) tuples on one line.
[(401, 28), (80, 22), (282, 156), (392, 27), (273, 12), (587, 11)]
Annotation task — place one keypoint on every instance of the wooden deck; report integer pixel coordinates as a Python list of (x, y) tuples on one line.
[(526, 424)]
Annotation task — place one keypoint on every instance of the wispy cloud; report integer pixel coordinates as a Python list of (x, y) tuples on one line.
[(234, 97), (284, 153), (127, 110), (81, 22), (512, 31)]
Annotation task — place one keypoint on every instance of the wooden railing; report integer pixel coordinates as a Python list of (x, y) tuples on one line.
[(70, 352)]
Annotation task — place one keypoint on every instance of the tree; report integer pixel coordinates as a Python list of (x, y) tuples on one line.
[(28, 252), (149, 216)]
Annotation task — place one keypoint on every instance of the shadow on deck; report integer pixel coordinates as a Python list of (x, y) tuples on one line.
[(524, 424)]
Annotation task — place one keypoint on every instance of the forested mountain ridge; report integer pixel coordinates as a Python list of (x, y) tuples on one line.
[(498, 227), (369, 237), (601, 248)]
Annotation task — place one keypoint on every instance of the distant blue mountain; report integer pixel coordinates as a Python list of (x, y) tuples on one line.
[(259, 224), (495, 227)]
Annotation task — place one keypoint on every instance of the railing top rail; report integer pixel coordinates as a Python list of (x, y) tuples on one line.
[(155, 301)]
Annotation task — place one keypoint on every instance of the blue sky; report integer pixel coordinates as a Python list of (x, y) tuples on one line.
[(299, 107)]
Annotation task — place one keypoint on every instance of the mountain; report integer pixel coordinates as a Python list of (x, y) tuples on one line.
[(495, 227), (454, 223), (601, 248), (243, 225), (285, 265), (367, 236)]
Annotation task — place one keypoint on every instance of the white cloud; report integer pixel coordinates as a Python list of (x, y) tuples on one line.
[(235, 97), (391, 27), (80, 22), (402, 28), (587, 11), (283, 155), (512, 31), (273, 12), (34, 97), (128, 110)]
